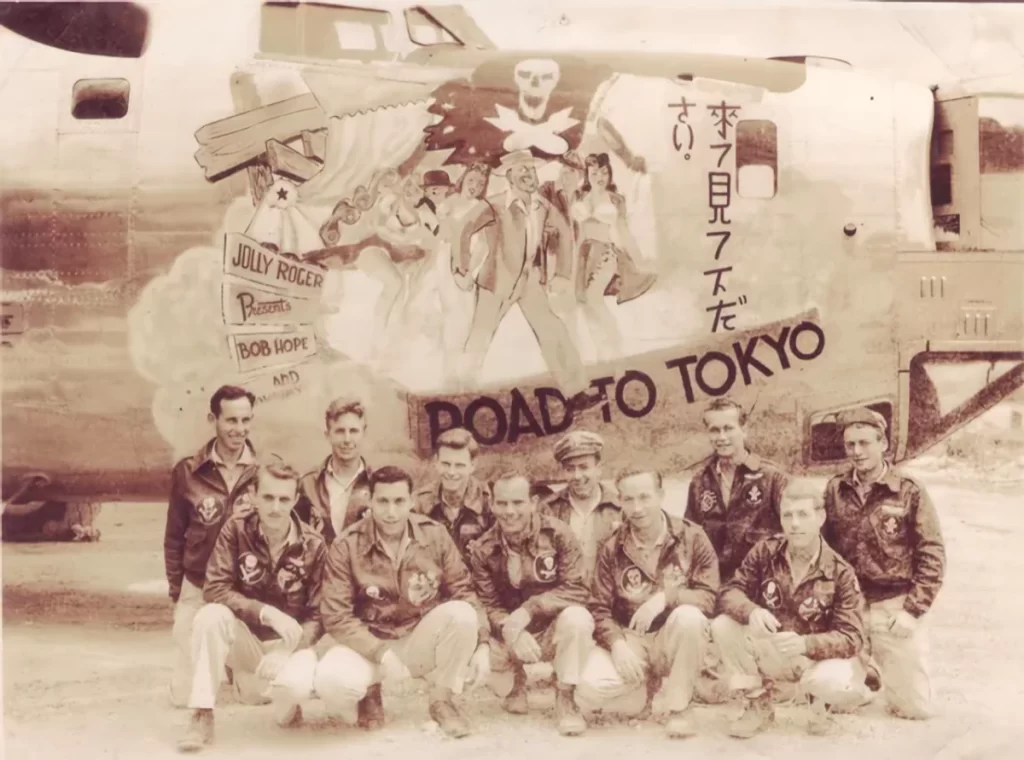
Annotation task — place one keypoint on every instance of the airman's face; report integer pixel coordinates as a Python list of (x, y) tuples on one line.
[(346, 436), (513, 506), (641, 499), (725, 432), (801, 521), (275, 498), (390, 505), (584, 474), (865, 447), (233, 423), (454, 467)]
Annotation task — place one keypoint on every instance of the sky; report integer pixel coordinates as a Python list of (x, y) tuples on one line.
[(196, 43)]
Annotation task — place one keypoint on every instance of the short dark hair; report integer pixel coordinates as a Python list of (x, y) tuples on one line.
[(724, 403), (390, 474), (632, 472), (277, 468), (342, 406), (458, 438), (229, 393)]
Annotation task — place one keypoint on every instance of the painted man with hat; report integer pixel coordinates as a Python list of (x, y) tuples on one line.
[(437, 186), (588, 506), (518, 225), (884, 524)]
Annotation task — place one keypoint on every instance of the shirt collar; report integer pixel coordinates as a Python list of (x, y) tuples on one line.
[(511, 199), (245, 459), (888, 478), (472, 499), (531, 533), (413, 531), (331, 472), (659, 541), (254, 526), (750, 461), (823, 564)]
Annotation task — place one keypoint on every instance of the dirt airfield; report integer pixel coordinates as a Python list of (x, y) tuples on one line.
[(86, 655)]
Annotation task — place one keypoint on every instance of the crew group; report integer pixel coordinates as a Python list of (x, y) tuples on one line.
[(329, 584)]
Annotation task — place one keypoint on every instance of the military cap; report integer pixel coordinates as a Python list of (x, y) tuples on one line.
[(861, 416), (578, 443)]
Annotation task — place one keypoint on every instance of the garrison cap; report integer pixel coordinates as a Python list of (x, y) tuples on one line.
[(578, 443), (861, 416)]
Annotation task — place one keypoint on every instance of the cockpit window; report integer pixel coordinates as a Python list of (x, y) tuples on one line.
[(323, 31), (424, 30)]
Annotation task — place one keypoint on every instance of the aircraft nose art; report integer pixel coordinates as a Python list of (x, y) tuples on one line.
[(507, 247)]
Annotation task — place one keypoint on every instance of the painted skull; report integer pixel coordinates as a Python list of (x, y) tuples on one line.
[(536, 78)]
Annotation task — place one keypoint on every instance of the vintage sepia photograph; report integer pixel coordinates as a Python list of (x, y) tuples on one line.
[(557, 378)]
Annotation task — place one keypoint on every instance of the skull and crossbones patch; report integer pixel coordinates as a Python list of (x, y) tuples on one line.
[(755, 495), (708, 501), (633, 583), (544, 567), (810, 609), (770, 595), (291, 574), (209, 510), (250, 568), (422, 587), (673, 577), (243, 504)]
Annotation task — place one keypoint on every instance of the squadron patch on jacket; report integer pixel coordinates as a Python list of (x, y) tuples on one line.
[(633, 582), (250, 568), (545, 567), (422, 587), (708, 501), (209, 510), (771, 595), (291, 574)]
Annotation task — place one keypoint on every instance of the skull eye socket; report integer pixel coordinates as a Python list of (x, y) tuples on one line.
[(524, 74), (548, 77)]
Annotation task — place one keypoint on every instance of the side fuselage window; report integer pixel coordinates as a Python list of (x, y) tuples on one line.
[(757, 154)]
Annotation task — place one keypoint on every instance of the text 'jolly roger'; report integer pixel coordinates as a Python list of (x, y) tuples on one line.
[(247, 259)]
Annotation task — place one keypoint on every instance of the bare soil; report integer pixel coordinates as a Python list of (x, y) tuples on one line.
[(86, 658)]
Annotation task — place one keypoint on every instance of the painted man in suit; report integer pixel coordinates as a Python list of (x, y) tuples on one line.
[(517, 224)]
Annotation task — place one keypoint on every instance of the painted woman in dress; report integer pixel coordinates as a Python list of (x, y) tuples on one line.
[(388, 236), (607, 253), (457, 301)]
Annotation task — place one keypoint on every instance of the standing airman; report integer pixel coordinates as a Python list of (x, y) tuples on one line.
[(736, 496), (206, 488), (458, 500), (586, 505), (884, 524)]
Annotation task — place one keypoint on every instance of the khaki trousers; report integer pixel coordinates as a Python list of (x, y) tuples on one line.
[(220, 639), (189, 601), (748, 658), (440, 646), (903, 661), (675, 653), (566, 643)]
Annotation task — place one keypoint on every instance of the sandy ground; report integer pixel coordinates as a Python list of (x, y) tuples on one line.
[(86, 655)]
